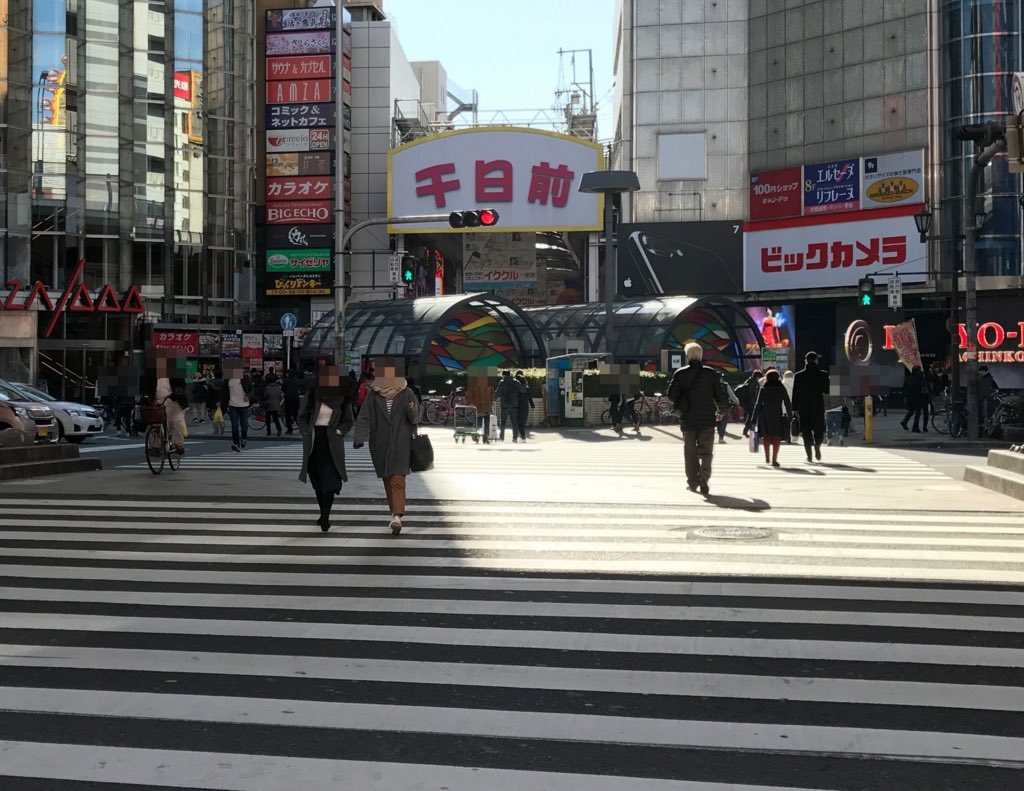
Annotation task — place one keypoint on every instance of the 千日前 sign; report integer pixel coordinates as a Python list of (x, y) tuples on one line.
[(531, 177), (825, 252)]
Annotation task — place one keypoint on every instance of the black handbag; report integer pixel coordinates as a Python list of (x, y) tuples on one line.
[(421, 453), (795, 426)]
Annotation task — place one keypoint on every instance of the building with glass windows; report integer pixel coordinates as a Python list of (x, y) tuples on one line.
[(127, 141)]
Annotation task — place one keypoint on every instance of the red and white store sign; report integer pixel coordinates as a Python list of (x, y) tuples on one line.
[(302, 188), (776, 194), (176, 341), (299, 92), (531, 177), (300, 212), (833, 251)]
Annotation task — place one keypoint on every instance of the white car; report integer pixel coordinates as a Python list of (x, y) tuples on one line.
[(75, 422)]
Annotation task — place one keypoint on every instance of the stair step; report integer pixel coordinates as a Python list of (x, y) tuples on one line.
[(39, 469), (997, 480), (1008, 460)]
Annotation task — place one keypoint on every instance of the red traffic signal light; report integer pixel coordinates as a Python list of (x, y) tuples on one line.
[(473, 219)]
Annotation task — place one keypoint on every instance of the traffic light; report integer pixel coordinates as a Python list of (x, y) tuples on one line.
[(866, 292), (983, 134), (408, 270), (473, 219)]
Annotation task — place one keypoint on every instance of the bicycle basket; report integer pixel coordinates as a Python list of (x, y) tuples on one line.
[(153, 414)]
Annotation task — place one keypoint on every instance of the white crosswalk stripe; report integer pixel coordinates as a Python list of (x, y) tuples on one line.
[(627, 458), (231, 645)]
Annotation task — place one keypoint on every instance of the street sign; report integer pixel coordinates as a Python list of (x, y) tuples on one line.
[(395, 268), (288, 321), (289, 333), (895, 292)]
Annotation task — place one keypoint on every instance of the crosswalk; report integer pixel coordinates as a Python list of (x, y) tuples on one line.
[(228, 644), (597, 455)]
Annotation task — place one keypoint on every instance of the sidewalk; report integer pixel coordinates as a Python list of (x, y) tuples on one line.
[(888, 433)]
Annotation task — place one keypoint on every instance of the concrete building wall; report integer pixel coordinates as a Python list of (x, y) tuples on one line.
[(682, 68), (834, 78)]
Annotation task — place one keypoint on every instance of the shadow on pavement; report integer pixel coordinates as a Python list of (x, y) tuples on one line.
[(737, 503), (845, 467)]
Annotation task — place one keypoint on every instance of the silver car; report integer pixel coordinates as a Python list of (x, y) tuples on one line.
[(75, 422), (37, 420)]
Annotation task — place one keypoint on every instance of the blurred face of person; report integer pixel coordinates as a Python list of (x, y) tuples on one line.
[(329, 379)]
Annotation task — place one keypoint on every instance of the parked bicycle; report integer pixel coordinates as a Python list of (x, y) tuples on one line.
[(438, 410), (653, 411), (159, 448)]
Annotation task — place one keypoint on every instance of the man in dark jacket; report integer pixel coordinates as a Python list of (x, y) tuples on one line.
[(747, 395), (699, 395), (525, 404), (915, 393), (809, 389), (508, 391)]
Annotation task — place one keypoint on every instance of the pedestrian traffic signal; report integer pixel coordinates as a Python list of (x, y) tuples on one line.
[(866, 292), (408, 269), (473, 219)]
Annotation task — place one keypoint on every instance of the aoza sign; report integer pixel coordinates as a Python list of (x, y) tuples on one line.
[(75, 298)]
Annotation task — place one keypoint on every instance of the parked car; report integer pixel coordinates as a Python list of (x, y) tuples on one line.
[(34, 419), (75, 422)]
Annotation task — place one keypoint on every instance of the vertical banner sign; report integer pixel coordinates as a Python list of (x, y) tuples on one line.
[(832, 187), (301, 96)]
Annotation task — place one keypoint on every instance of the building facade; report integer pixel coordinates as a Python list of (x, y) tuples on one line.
[(127, 142)]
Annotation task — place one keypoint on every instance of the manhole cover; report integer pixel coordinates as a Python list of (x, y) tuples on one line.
[(732, 533)]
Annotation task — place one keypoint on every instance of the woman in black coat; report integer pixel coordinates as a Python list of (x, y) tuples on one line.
[(771, 416), (324, 420)]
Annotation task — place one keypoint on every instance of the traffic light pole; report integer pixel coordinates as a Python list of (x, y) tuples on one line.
[(339, 270), (980, 162)]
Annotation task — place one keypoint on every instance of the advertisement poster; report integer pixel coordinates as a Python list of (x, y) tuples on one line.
[(904, 341), (230, 346), (776, 194), (312, 284), (302, 163), (832, 187), (314, 260), (252, 345), (893, 179), (273, 345), (299, 116), (499, 261), (691, 258), (209, 343), (826, 252), (308, 43), (777, 327)]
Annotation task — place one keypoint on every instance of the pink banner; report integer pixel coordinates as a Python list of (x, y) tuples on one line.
[(904, 341)]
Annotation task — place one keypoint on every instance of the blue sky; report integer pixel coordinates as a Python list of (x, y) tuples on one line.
[(508, 51)]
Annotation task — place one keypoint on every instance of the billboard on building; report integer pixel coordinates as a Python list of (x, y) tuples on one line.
[(183, 86), (499, 261), (312, 260), (299, 188), (299, 116), (177, 343), (305, 284), (825, 252), (530, 176), (311, 42), (691, 258), (299, 67), (300, 91), (832, 187), (293, 19), (300, 212), (893, 179), (776, 194), (303, 237)]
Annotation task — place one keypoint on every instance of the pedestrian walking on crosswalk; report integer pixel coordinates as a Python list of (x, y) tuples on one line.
[(387, 420), (772, 415), (810, 386), (699, 395), (324, 420)]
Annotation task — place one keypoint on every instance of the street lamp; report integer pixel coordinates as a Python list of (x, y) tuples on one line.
[(608, 183)]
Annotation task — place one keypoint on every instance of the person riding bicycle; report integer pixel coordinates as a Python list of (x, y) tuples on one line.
[(629, 411), (172, 395)]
